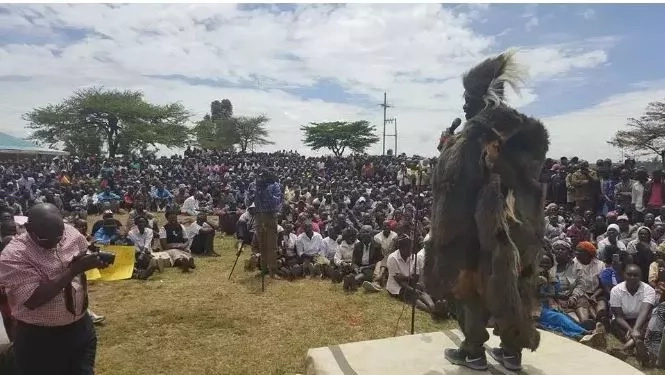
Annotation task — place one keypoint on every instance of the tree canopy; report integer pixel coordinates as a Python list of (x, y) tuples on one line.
[(646, 134), (220, 130), (121, 120), (338, 136), (251, 131)]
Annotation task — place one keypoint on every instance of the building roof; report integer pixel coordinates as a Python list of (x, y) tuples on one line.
[(14, 145)]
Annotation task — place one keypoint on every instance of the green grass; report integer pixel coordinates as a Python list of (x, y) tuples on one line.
[(202, 323)]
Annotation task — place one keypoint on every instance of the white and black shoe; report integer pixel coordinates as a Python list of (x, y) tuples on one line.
[(460, 357), (511, 362)]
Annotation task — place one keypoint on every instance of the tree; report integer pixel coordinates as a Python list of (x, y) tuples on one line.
[(122, 120), (217, 130), (252, 131), (337, 136), (646, 134)]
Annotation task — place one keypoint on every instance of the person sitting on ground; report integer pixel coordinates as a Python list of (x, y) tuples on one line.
[(109, 234), (344, 254), (175, 242), (588, 293), (139, 210), (191, 205), (651, 354), (202, 233), (644, 236), (631, 302), (107, 197), (328, 250), (308, 248), (366, 254), (643, 258), (160, 197), (141, 237), (402, 279), (578, 232), (626, 230), (107, 215), (611, 238), (289, 265), (386, 239), (656, 269), (612, 275)]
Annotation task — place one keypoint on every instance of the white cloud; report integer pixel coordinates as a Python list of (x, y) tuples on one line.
[(585, 132), (415, 52)]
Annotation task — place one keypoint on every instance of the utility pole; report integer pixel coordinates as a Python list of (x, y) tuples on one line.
[(385, 107)]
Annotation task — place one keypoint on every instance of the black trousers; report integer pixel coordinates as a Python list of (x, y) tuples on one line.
[(64, 350)]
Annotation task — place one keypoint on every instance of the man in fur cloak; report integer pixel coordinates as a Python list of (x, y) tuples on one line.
[(487, 219)]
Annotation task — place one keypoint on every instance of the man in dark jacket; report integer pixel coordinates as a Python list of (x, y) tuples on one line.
[(366, 254)]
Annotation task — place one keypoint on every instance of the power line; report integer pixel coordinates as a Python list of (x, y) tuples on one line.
[(385, 106)]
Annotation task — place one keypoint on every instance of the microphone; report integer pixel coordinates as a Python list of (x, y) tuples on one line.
[(456, 123)]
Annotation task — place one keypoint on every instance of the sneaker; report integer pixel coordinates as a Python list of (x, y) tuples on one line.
[(511, 362), (462, 358), (371, 287)]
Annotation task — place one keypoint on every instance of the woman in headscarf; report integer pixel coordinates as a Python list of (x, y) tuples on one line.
[(644, 236), (587, 293), (611, 237)]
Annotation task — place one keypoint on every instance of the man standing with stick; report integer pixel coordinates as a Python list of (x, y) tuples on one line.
[(268, 202)]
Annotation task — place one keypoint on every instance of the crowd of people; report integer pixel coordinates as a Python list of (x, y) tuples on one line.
[(361, 221), (603, 268)]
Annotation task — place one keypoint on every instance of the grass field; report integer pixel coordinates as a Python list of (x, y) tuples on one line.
[(202, 323)]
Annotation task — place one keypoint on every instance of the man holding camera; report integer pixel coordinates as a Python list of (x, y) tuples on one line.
[(42, 272)]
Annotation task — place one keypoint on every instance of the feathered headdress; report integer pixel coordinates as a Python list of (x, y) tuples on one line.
[(487, 80)]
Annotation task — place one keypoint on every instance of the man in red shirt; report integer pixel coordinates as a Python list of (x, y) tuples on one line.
[(42, 272), (654, 193)]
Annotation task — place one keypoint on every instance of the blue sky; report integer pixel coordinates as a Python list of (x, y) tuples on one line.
[(591, 66)]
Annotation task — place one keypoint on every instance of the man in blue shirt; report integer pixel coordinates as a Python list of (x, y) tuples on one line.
[(267, 195)]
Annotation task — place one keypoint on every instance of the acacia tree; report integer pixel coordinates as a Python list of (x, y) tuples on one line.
[(337, 136), (252, 131), (646, 134), (122, 120), (218, 129)]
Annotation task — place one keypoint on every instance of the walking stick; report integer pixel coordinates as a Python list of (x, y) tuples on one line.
[(414, 253), (239, 246)]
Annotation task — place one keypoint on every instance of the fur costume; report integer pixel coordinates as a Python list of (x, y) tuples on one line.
[(487, 214)]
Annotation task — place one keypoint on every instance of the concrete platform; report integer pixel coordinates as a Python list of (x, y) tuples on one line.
[(423, 354)]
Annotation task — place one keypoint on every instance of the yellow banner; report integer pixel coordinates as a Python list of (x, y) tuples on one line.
[(121, 269)]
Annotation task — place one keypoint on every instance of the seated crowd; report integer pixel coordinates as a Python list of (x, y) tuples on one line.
[(603, 268), (362, 221)]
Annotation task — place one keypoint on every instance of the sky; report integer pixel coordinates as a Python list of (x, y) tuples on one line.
[(591, 66)]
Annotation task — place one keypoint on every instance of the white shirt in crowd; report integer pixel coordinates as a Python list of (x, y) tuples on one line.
[(194, 229), (189, 206), (636, 196), (387, 243), (329, 248), (420, 264), (630, 303), (141, 241), (289, 244), (397, 264), (309, 246), (344, 253)]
